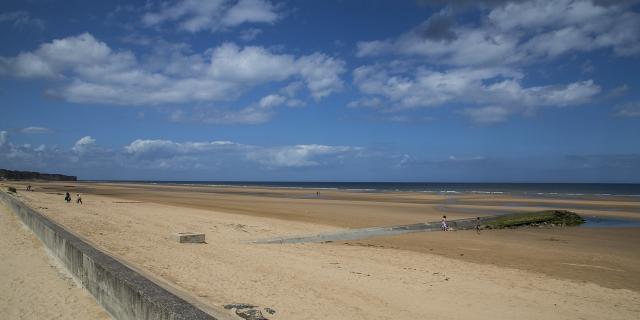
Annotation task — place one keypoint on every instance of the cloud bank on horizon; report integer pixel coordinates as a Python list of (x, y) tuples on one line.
[(297, 91)]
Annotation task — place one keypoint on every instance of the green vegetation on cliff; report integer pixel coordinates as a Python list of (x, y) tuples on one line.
[(29, 175)]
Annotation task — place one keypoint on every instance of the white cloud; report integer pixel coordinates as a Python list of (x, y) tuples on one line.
[(374, 103), (479, 65), (628, 110), (427, 87), (518, 32), (471, 46), (250, 11), (84, 145), (35, 130), (498, 90), (320, 72), (170, 155), (20, 19), (292, 89), (249, 34), (89, 71), (271, 157), (15, 156), (161, 149), (488, 115), (542, 14), (618, 91), (272, 100), (4, 138), (81, 54), (247, 115), (256, 113), (251, 63), (295, 103), (299, 155), (213, 15)]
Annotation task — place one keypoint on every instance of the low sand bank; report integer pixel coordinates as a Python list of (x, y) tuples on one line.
[(501, 274), (32, 286)]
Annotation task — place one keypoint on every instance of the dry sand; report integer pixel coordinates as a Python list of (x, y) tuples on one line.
[(32, 284), (525, 274)]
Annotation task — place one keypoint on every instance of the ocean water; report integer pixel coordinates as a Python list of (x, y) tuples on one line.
[(526, 189)]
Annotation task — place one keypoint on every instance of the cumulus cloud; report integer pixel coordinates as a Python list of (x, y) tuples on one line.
[(479, 66), (252, 63), (518, 32), (84, 145), (498, 90), (213, 15), (89, 71), (320, 72)]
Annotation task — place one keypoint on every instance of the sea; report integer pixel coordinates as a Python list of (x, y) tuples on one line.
[(521, 189)]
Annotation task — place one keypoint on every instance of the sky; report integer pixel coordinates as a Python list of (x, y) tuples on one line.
[(423, 91)]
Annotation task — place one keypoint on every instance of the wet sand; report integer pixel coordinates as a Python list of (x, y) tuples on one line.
[(32, 285), (526, 274)]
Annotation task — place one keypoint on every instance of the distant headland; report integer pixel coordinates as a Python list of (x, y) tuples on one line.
[(30, 175)]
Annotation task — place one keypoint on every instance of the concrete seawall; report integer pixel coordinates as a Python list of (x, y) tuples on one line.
[(123, 292)]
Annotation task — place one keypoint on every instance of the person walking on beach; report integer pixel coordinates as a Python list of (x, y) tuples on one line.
[(444, 223), (67, 197), (78, 199), (478, 225)]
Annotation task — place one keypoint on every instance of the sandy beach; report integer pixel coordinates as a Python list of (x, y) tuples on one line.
[(32, 284), (562, 273)]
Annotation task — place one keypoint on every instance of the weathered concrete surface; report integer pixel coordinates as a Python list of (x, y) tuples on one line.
[(189, 237), (363, 233), (124, 293), (355, 234)]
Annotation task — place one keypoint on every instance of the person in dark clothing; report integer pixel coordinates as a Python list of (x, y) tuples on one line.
[(67, 197)]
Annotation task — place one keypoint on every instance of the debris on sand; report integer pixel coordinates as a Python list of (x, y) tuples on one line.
[(249, 311)]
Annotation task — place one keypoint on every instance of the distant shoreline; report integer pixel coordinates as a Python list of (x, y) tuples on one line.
[(443, 188)]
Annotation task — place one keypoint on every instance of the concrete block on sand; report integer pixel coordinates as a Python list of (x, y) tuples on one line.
[(189, 237)]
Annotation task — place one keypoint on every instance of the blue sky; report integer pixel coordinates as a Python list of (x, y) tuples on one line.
[(494, 91)]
